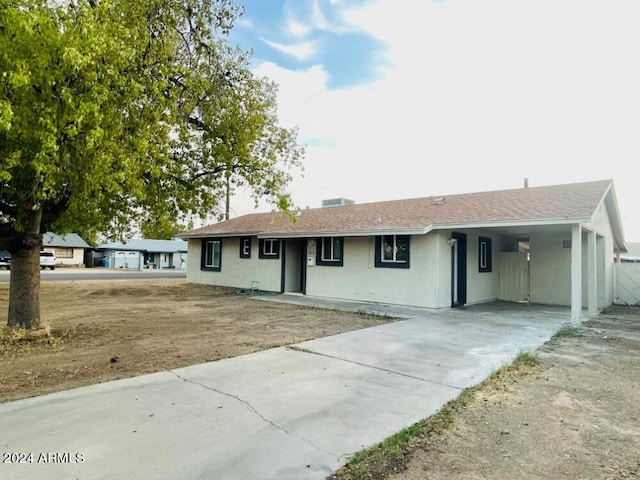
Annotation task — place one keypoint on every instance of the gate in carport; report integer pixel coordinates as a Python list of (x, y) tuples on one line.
[(627, 284), (513, 272)]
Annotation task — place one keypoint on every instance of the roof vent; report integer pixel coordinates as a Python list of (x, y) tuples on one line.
[(439, 200), (337, 202)]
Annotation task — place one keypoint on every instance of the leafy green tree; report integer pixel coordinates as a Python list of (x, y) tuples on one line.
[(114, 113), (162, 228)]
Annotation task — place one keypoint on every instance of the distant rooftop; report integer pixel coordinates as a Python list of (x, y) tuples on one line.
[(144, 245), (69, 240)]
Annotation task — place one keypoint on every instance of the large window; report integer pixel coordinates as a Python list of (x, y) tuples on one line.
[(392, 251), (330, 251), (484, 254), (269, 248), (245, 247), (211, 254)]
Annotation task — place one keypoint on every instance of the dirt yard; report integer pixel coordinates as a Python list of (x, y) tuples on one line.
[(104, 330), (575, 417)]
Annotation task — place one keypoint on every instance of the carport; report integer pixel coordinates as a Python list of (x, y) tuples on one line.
[(550, 264)]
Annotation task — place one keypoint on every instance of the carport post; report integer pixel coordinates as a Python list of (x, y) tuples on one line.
[(592, 272), (576, 274)]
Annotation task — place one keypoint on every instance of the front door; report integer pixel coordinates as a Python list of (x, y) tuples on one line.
[(294, 265), (458, 269)]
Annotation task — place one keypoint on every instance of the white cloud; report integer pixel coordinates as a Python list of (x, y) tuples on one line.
[(475, 96), (314, 18), (301, 51)]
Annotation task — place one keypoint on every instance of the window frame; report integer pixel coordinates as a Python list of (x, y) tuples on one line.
[(243, 241), (203, 254), (63, 252), (333, 261), (485, 255), (381, 262), (274, 252)]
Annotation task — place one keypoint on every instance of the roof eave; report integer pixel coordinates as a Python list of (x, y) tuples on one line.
[(349, 233), (611, 204), (218, 234), (511, 223), (313, 234)]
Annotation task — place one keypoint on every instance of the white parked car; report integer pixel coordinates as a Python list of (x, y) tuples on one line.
[(48, 260), (5, 260)]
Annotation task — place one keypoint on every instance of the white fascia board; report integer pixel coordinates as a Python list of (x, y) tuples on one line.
[(512, 223), (610, 201), (351, 233), (218, 235)]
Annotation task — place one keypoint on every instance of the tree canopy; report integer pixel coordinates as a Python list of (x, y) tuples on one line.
[(114, 113)]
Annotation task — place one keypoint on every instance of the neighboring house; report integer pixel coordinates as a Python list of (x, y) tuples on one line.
[(142, 253), (633, 255), (550, 245), (69, 248)]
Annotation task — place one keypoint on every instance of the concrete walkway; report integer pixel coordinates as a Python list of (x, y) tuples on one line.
[(287, 413)]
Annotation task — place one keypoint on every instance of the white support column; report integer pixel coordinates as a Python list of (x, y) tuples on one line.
[(592, 271), (576, 274)]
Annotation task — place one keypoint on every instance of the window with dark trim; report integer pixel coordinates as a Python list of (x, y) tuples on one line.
[(484, 254), (211, 257), (392, 251), (245, 247), (269, 248), (330, 251)]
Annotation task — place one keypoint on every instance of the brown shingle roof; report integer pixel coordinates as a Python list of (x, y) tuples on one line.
[(576, 201)]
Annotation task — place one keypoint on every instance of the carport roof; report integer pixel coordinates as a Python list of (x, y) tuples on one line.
[(557, 204)]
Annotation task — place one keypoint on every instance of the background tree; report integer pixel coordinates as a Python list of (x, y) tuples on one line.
[(104, 105), (231, 139)]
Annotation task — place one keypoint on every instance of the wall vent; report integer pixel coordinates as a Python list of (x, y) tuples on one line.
[(566, 243)]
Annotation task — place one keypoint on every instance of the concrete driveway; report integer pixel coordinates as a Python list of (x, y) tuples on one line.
[(287, 413)]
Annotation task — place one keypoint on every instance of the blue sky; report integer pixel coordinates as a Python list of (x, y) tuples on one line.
[(301, 34), (409, 98)]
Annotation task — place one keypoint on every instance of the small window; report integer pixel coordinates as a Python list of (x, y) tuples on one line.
[(63, 252), (269, 248), (484, 254), (392, 251), (211, 254), (330, 251), (245, 247)]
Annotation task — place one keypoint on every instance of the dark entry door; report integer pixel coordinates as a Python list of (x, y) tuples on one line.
[(294, 266), (458, 269)]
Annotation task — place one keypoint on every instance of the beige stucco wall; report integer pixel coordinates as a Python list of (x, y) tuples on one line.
[(235, 272), (481, 286), (551, 266), (359, 279), (427, 283)]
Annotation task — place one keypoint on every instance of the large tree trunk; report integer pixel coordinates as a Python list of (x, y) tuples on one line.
[(24, 287)]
